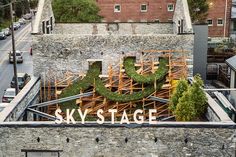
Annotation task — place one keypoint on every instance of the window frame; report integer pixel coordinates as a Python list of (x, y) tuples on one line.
[(218, 22), (168, 9), (117, 11), (141, 7), (211, 22)]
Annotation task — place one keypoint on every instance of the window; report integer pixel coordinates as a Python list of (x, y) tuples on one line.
[(117, 8), (157, 20), (234, 25), (220, 22), (43, 27), (51, 23), (143, 8), (42, 153), (235, 80), (170, 7), (210, 22)]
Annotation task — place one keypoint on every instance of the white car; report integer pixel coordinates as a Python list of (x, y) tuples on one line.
[(19, 57), (9, 95), (22, 21)]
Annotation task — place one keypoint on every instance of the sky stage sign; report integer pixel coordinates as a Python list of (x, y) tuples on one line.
[(138, 116)]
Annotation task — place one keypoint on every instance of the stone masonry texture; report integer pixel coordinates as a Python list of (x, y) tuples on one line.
[(56, 54), (141, 141)]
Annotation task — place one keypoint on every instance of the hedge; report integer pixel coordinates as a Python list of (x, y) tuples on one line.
[(158, 75), (79, 85), (102, 90)]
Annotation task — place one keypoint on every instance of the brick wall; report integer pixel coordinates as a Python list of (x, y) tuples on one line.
[(157, 9), (217, 10), (130, 10)]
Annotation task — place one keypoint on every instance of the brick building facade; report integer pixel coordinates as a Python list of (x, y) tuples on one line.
[(136, 10), (219, 10), (162, 11)]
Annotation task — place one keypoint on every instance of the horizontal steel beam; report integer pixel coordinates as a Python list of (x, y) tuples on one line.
[(158, 99), (220, 89), (62, 100), (42, 114)]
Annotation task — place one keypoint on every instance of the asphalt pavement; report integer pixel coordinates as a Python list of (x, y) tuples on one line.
[(23, 42)]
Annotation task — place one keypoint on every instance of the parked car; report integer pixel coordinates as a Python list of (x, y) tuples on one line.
[(2, 36), (23, 79), (19, 57), (7, 31), (22, 21), (8, 95), (16, 24), (27, 16)]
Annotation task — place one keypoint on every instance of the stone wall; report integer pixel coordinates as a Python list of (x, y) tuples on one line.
[(114, 28), (181, 139), (59, 53), (27, 96), (44, 14), (182, 13)]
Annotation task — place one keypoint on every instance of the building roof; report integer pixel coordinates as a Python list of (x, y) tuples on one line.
[(232, 62)]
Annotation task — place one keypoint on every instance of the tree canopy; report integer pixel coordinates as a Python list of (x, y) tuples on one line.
[(20, 8), (189, 102), (76, 11), (182, 86), (198, 10)]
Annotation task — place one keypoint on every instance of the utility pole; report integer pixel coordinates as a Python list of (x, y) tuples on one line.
[(14, 9), (14, 51)]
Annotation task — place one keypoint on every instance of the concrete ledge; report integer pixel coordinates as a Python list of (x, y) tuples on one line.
[(219, 112), (117, 125), (13, 111)]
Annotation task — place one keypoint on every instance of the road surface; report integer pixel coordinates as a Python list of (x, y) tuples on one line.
[(23, 42)]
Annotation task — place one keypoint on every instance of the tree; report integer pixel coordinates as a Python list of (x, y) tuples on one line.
[(21, 7), (76, 11), (185, 109), (182, 86), (198, 10), (198, 96), (33, 4)]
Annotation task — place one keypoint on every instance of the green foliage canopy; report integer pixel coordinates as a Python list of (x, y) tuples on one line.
[(185, 109), (76, 11), (198, 10), (182, 86), (189, 102)]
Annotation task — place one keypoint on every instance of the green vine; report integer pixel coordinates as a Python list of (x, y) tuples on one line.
[(158, 75)]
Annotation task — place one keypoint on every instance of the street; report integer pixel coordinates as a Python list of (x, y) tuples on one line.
[(23, 41)]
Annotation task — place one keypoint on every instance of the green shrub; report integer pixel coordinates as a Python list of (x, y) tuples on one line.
[(189, 102), (198, 96), (181, 87), (185, 109)]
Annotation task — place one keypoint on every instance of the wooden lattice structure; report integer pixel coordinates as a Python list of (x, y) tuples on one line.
[(118, 81)]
